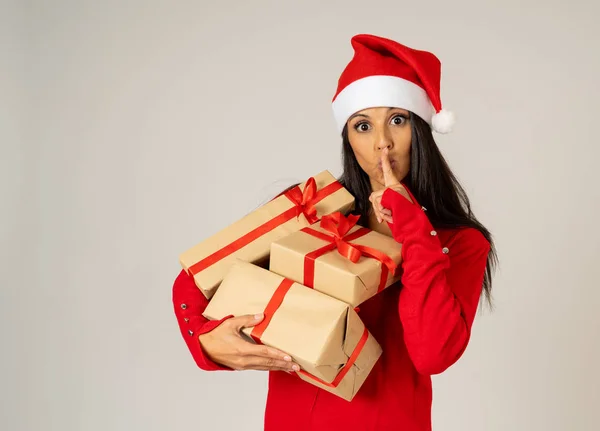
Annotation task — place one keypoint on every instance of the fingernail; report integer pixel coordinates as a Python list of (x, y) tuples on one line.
[(258, 316), (287, 358), (296, 367)]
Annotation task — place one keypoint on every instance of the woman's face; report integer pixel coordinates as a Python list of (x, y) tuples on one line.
[(370, 131)]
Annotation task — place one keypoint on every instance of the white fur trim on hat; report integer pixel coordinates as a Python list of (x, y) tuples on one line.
[(381, 91), (443, 121)]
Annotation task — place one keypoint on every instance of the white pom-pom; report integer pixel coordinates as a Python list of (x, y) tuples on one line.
[(443, 121)]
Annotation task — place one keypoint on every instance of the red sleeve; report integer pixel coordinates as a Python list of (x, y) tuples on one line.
[(189, 304), (442, 285)]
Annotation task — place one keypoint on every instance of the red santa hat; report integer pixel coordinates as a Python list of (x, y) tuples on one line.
[(386, 73)]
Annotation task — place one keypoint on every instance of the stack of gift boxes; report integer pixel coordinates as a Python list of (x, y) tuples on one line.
[(304, 262)]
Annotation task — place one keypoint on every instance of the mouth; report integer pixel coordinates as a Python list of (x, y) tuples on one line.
[(392, 164)]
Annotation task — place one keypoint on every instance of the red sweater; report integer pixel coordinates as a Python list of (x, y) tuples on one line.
[(423, 326)]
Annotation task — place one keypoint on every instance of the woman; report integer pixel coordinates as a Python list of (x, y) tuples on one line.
[(386, 105)]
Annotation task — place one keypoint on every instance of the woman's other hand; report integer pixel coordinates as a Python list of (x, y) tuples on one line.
[(226, 346)]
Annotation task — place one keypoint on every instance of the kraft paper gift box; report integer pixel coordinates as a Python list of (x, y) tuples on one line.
[(323, 335), (250, 238), (339, 258)]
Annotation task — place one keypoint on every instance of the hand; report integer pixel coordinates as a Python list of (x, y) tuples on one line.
[(225, 345), (390, 182)]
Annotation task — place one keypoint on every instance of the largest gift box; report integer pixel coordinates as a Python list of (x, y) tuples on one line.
[(250, 238)]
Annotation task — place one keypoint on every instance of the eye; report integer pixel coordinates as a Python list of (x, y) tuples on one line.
[(362, 126), (399, 120)]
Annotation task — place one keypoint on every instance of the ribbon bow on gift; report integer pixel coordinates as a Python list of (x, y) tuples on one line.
[(305, 201), (339, 226)]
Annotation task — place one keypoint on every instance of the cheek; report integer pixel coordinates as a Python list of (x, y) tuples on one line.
[(404, 157), (403, 144), (402, 140), (363, 151)]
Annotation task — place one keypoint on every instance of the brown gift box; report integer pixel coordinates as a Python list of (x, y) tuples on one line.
[(333, 273), (320, 333), (250, 238)]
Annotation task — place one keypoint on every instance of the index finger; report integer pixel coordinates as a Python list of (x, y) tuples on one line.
[(389, 179)]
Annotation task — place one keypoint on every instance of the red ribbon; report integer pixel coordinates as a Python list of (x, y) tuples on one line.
[(273, 306), (304, 203), (339, 226), (351, 360)]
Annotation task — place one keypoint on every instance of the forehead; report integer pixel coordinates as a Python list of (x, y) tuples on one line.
[(379, 111)]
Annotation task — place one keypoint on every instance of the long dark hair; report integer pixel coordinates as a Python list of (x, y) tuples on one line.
[(432, 183)]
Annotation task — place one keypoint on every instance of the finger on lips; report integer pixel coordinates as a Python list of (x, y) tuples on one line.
[(390, 180), (388, 174)]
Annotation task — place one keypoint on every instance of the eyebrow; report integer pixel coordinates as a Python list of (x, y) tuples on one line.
[(358, 115), (366, 116)]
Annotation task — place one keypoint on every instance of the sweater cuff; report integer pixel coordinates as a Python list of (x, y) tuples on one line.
[(410, 226), (403, 209), (203, 359), (409, 218)]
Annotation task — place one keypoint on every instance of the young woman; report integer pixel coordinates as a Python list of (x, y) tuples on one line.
[(385, 107)]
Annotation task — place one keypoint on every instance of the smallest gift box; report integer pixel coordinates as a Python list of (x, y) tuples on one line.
[(339, 258)]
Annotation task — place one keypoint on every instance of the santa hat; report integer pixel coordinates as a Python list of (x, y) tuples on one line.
[(385, 73)]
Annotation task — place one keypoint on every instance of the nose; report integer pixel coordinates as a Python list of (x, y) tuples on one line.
[(384, 140)]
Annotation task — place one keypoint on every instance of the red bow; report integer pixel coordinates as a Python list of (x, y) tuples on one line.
[(305, 201), (339, 226)]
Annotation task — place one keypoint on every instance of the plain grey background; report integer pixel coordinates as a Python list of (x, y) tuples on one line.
[(132, 130)]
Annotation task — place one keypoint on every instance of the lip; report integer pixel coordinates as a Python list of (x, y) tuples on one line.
[(380, 167)]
